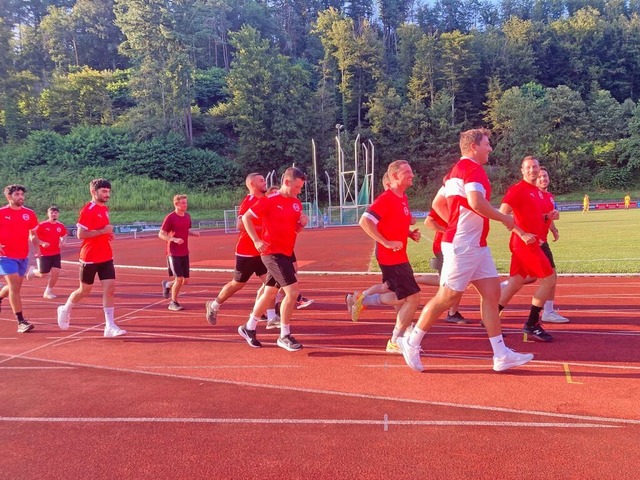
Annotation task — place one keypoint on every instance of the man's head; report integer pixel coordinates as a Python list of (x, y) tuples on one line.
[(400, 174), (543, 179), (292, 182), (181, 202), (53, 213), (386, 183), (100, 190), (475, 144), (530, 168), (15, 195), (256, 184)]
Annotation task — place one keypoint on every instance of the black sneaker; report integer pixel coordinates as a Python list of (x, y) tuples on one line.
[(212, 313), (175, 307), (456, 318), (289, 343), (166, 289), (537, 332), (249, 336), (24, 327)]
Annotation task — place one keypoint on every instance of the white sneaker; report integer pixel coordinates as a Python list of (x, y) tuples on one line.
[(554, 317), (114, 331), (410, 353), (64, 317), (49, 295), (511, 359), (273, 323), (30, 272)]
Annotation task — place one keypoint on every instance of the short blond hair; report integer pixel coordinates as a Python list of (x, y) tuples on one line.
[(472, 137), (178, 197)]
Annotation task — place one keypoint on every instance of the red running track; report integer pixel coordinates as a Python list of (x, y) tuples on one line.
[(178, 398)]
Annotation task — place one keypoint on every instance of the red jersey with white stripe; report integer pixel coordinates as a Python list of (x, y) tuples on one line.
[(15, 225), (51, 232), (529, 206), (96, 249), (466, 227), (245, 246), (280, 216), (392, 217)]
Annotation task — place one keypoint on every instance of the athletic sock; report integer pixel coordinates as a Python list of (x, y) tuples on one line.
[(108, 317), (252, 323), (284, 330), (271, 313), (548, 306), (372, 299), (415, 339), (215, 305), (68, 306), (534, 316), (19, 317), (396, 333), (498, 346)]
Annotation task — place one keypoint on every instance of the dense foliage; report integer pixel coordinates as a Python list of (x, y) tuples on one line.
[(202, 91)]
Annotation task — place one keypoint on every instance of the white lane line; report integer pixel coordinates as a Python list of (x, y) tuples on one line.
[(37, 368), (305, 421), (336, 393)]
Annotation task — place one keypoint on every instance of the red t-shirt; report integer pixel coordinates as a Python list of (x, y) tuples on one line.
[(51, 232), (280, 216), (15, 225), (437, 238), (96, 249), (245, 246), (392, 216), (180, 226), (549, 204), (466, 227), (528, 205)]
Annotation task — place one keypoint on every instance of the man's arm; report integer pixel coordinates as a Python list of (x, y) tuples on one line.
[(527, 238), (482, 207), (441, 207), (251, 231), (371, 229), (83, 233)]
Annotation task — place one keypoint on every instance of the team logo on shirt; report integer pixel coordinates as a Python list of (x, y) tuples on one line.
[(296, 207), (406, 211), (58, 229), (25, 216), (540, 195)]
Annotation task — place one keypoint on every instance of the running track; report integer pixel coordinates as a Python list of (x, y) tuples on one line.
[(178, 398)]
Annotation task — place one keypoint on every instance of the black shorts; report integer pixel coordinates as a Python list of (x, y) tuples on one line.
[(281, 270), (247, 266), (547, 251), (400, 279), (178, 266), (47, 262), (105, 270)]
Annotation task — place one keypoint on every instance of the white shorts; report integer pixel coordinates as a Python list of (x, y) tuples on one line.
[(463, 264)]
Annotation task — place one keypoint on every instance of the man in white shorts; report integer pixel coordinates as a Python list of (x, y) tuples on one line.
[(467, 259)]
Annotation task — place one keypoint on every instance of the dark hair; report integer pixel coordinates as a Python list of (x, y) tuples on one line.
[(53, 208), (9, 189), (293, 173), (99, 183)]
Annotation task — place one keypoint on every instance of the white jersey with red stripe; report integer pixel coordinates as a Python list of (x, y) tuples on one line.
[(466, 227)]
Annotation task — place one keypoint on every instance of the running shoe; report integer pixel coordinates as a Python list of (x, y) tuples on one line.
[(273, 323), (289, 343), (175, 307), (537, 332), (392, 347), (212, 313), (24, 326), (358, 306), (554, 317), (410, 353), (49, 295), (350, 300), (64, 317), (112, 332), (166, 289), (456, 318), (30, 272), (249, 336), (511, 359), (302, 302)]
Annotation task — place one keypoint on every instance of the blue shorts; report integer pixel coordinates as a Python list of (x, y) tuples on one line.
[(9, 266)]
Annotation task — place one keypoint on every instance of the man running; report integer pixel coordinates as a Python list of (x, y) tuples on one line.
[(51, 236), (18, 226), (96, 258), (467, 258)]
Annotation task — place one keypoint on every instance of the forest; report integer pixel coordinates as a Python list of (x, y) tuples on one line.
[(197, 93)]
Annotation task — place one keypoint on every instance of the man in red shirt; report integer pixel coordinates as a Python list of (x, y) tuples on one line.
[(248, 259), (388, 222), (282, 218), (175, 230), (532, 212), (467, 258), (51, 236), (18, 226), (96, 257)]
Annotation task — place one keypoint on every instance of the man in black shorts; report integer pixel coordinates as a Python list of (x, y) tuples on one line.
[(51, 235)]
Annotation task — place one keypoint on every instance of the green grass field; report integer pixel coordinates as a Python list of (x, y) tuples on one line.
[(598, 242)]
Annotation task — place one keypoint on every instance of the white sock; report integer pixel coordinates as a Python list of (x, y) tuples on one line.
[(498, 346), (396, 333), (372, 299), (68, 306), (284, 330), (548, 306), (108, 317), (271, 313), (215, 305), (252, 323), (415, 339)]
